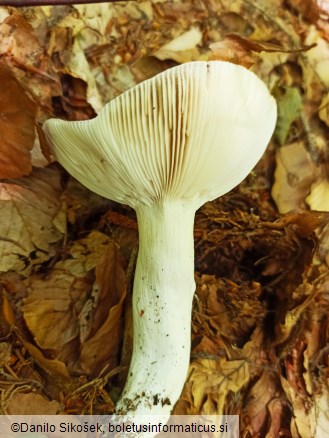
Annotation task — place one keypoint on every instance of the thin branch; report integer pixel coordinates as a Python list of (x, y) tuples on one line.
[(21, 3)]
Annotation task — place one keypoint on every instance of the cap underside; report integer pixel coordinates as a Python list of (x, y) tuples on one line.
[(192, 132)]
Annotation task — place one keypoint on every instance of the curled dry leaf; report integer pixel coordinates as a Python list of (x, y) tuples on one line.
[(23, 51), (265, 391), (55, 368), (241, 50), (32, 219), (59, 313), (54, 303), (17, 120), (103, 331), (231, 51), (263, 46), (71, 37)]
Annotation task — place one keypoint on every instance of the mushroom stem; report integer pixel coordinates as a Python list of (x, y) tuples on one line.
[(162, 303)]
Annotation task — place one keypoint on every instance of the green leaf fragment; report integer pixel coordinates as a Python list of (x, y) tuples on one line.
[(289, 108)]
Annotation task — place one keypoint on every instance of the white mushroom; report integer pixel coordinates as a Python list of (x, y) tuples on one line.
[(165, 147)]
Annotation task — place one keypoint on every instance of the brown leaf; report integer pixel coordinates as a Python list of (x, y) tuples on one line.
[(231, 51), (17, 120), (227, 308), (54, 303), (32, 404), (261, 394), (32, 219), (263, 46), (183, 48), (308, 9), (23, 51), (7, 311), (209, 383), (53, 367), (304, 222), (102, 344), (44, 146), (240, 50), (294, 174)]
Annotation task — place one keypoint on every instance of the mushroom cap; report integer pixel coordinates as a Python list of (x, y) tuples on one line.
[(193, 132)]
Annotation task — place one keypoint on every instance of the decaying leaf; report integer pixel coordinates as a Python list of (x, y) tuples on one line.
[(32, 219), (55, 368), (53, 305), (224, 307), (231, 51), (23, 51), (17, 121), (183, 48), (70, 304), (101, 337), (240, 50), (318, 199), (260, 316), (294, 174), (324, 109), (209, 383), (32, 404), (264, 392), (318, 57)]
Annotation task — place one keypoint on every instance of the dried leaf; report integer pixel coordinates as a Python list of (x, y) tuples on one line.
[(294, 174), (262, 46), (317, 58), (227, 308), (324, 109), (183, 48), (32, 404), (265, 390), (76, 32), (22, 49), (104, 331), (240, 50), (209, 383), (17, 120), (231, 51), (307, 8), (54, 303), (7, 311), (53, 367), (32, 219), (318, 199), (5, 354)]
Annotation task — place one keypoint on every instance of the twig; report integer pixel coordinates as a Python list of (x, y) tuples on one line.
[(21, 3)]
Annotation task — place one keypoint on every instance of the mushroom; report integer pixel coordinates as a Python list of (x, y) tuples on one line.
[(165, 147)]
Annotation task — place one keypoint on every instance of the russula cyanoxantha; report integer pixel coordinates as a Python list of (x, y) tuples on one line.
[(165, 147)]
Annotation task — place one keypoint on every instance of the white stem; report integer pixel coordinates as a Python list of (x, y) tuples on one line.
[(162, 304)]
